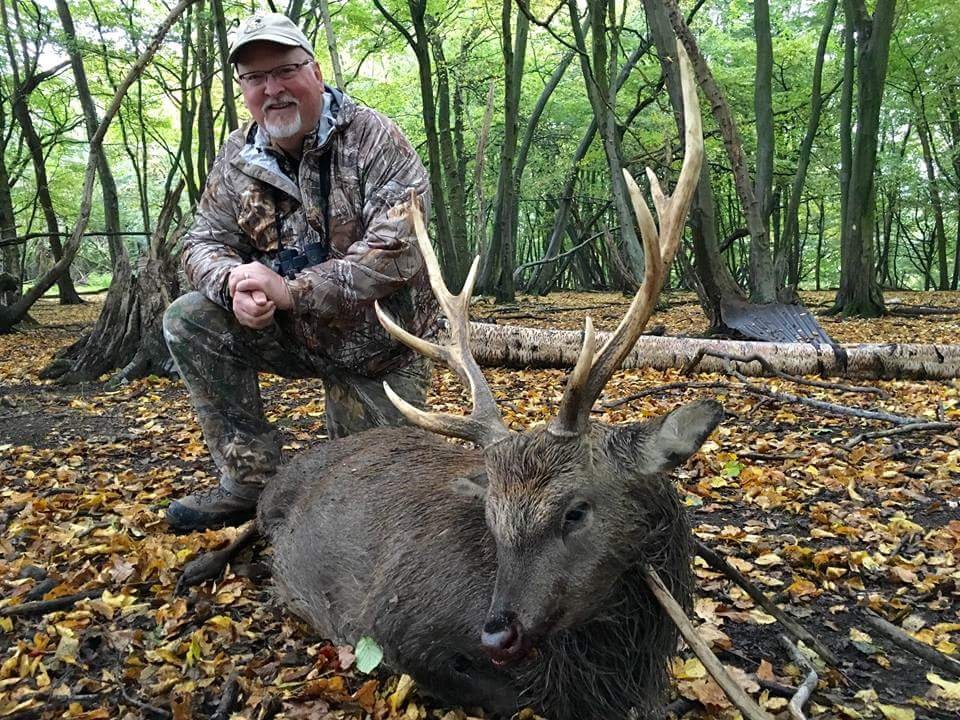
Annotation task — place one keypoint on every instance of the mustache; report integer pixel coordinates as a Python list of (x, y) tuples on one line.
[(280, 101)]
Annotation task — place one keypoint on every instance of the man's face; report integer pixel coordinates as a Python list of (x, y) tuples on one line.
[(287, 109)]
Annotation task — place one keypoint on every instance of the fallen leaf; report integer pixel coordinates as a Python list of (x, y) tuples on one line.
[(368, 654), (893, 712)]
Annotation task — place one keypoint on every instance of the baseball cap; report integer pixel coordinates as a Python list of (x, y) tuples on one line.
[(270, 27)]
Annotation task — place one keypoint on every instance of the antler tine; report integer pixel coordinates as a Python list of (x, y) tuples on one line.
[(484, 425), (660, 247)]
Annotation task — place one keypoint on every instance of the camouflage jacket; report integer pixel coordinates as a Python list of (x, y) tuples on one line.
[(257, 201)]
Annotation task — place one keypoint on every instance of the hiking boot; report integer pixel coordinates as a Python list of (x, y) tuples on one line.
[(209, 509)]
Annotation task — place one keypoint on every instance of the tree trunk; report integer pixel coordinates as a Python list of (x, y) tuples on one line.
[(479, 221), (499, 276), (598, 67), (761, 262), (939, 232), (22, 87), (763, 108), (128, 334), (530, 131), (859, 293), (541, 280), (716, 285), (792, 221), (456, 192), (331, 44), (523, 347), (108, 186), (226, 71), (454, 271), (10, 256)]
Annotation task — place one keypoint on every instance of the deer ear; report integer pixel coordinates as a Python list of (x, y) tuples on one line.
[(472, 486), (665, 442)]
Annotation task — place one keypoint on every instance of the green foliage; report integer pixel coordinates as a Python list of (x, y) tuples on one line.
[(157, 134)]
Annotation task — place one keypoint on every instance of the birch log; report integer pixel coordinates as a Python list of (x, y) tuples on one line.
[(520, 347)]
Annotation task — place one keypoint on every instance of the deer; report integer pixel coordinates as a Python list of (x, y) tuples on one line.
[(513, 571)]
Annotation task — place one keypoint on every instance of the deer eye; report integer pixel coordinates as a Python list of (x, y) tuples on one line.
[(576, 517)]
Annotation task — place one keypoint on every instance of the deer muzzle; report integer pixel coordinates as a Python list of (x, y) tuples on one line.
[(504, 640)]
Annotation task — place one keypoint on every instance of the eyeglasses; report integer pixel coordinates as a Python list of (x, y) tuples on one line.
[(281, 72)]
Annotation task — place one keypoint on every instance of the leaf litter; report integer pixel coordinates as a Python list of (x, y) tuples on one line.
[(825, 532)]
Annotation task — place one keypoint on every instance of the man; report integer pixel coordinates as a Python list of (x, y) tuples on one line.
[(318, 176)]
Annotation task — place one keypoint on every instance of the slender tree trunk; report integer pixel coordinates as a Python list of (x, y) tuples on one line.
[(108, 186), (331, 43), (188, 108), (859, 292), (207, 144), (479, 221), (761, 262), (763, 108), (939, 232), (953, 124), (792, 221), (10, 257), (22, 87), (226, 71), (598, 66), (500, 278), (528, 135), (454, 270), (715, 283), (456, 192)]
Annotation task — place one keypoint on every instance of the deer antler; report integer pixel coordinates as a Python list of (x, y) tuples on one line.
[(590, 375), (484, 425)]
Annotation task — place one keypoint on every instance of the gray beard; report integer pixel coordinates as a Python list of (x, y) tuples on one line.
[(279, 130)]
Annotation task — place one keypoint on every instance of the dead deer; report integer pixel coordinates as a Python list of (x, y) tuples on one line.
[(511, 573)]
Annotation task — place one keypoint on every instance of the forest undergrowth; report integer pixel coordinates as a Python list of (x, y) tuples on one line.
[(836, 532)]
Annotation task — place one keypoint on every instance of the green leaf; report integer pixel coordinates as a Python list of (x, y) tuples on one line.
[(732, 469), (368, 654)]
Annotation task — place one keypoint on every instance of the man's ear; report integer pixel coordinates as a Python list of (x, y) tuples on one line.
[(662, 443)]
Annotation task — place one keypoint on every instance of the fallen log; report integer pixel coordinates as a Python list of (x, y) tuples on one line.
[(520, 347)]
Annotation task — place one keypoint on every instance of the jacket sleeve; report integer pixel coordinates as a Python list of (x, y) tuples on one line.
[(386, 257), (214, 244)]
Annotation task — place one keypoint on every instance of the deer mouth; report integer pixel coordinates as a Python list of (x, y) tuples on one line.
[(508, 643)]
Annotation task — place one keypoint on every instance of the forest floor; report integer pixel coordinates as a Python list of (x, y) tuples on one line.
[(829, 533)]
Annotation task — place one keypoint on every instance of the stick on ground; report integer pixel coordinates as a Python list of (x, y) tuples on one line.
[(901, 430), (740, 699), (42, 607), (808, 685), (899, 637)]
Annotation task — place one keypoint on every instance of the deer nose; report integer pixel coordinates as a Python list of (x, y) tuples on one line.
[(503, 639)]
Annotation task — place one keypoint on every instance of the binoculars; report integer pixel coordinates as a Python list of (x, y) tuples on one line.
[(290, 261)]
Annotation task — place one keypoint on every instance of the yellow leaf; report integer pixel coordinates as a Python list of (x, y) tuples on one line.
[(768, 560), (399, 696), (947, 647), (892, 712), (859, 636), (945, 688), (691, 669)]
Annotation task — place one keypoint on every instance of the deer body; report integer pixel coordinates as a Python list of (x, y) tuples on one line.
[(421, 544)]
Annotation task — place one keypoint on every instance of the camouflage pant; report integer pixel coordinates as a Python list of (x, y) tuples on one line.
[(219, 359)]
